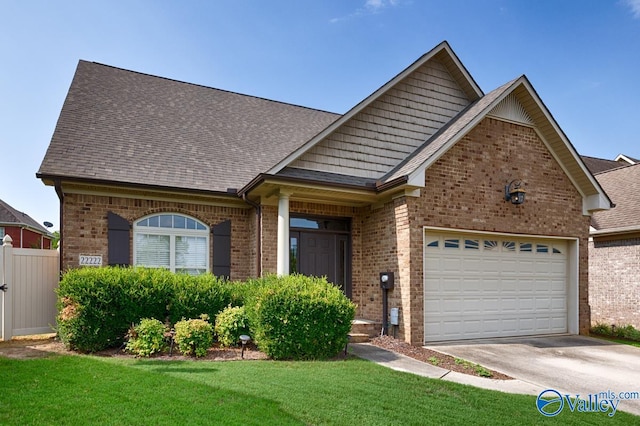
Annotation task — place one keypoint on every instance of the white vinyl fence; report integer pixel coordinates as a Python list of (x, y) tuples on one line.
[(28, 279)]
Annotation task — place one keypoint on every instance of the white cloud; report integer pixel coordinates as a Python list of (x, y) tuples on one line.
[(634, 5), (370, 7)]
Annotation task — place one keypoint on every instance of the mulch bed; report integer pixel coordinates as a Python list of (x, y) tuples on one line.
[(41, 346), (434, 358)]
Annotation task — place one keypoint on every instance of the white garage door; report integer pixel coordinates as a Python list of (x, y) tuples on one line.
[(478, 286)]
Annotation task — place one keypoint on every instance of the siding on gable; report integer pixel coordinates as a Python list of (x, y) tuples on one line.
[(383, 134)]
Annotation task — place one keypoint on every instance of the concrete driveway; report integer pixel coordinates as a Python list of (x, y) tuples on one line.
[(574, 365)]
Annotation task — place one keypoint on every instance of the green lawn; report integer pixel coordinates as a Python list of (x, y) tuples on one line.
[(72, 390)]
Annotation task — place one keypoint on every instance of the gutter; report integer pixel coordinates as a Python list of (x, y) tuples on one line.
[(57, 184), (615, 231)]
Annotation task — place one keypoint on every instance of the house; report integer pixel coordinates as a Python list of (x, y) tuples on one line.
[(422, 181), (614, 248), (23, 230)]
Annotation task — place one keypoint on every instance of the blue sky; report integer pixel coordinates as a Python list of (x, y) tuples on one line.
[(582, 57)]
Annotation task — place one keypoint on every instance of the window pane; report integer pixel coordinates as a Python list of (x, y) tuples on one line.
[(166, 221), (472, 244), (154, 221), (542, 248), (200, 226), (144, 222), (509, 245), (525, 247), (191, 252), (490, 245), (179, 222), (191, 224), (451, 243), (293, 255), (152, 250)]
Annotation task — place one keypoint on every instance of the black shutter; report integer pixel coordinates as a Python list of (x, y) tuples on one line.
[(222, 249), (118, 236)]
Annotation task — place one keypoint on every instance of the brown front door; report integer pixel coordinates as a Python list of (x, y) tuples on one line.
[(322, 253)]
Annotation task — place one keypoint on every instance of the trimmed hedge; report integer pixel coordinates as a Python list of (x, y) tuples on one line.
[(96, 306), (299, 317)]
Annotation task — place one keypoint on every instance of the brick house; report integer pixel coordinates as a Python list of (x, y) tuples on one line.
[(414, 180), (23, 230), (614, 247)]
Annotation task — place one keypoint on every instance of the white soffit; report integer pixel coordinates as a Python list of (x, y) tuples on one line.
[(511, 109)]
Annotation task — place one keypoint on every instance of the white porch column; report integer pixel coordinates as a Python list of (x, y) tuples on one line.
[(283, 234)]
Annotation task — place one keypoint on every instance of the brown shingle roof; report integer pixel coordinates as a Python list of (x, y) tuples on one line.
[(597, 165), (623, 187), (127, 127)]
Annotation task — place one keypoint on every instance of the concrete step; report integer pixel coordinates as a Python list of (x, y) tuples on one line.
[(358, 338), (367, 327)]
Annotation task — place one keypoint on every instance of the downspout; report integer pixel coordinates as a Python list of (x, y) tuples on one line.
[(58, 187), (258, 208)]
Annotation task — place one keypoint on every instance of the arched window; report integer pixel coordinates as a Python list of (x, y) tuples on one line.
[(173, 241)]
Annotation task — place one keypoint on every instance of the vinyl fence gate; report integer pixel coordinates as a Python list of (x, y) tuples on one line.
[(28, 279)]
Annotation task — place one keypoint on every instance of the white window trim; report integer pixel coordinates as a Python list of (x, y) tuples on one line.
[(172, 233)]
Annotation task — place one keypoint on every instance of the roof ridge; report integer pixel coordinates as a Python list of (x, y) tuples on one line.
[(208, 87)]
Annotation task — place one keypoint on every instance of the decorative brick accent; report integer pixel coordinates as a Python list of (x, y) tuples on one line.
[(614, 286)]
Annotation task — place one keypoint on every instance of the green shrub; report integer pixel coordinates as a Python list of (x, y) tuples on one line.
[(231, 323), (298, 317), (628, 332), (96, 306), (602, 329), (203, 294), (147, 338), (194, 336)]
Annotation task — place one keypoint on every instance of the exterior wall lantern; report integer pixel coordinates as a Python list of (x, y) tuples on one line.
[(513, 192)]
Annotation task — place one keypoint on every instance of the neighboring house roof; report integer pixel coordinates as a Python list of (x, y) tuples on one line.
[(12, 217), (597, 165), (623, 186), (627, 159), (121, 126)]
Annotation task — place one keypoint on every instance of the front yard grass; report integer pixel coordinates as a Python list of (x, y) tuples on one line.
[(72, 390)]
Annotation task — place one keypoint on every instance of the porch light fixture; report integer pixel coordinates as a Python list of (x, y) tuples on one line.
[(513, 192)]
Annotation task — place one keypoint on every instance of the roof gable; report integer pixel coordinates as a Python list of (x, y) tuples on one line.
[(120, 126), (386, 127), (519, 101)]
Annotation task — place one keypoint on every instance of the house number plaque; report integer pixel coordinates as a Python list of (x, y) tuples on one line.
[(87, 260)]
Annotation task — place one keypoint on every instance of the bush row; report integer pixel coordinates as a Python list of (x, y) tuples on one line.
[(293, 317), (96, 306)]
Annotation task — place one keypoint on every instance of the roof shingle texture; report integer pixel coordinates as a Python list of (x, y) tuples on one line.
[(623, 187), (597, 165), (127, 127)]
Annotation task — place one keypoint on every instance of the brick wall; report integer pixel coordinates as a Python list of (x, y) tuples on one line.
[(85, 226), (614, 281), (464, 189)]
